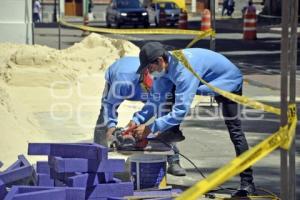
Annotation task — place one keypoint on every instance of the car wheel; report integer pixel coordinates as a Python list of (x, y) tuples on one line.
[(172, 24), (119, 25)]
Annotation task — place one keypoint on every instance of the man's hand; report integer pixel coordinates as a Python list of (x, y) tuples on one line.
[(141, 132), (109, 133), (131, 124)]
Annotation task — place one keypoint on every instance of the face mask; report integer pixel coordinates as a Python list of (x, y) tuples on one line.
[(157, 74)]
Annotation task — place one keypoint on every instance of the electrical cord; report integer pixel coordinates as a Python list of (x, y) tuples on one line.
[(270, 194), (193, 164)]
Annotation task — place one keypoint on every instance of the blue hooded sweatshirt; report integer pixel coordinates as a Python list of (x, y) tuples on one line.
[(123, 83), (213, 67)]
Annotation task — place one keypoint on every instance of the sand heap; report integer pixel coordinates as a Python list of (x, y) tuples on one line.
[(27, 75), (24, 65)]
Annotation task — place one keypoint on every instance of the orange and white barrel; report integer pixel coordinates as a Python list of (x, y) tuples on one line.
[(249, 28), (205, 20)]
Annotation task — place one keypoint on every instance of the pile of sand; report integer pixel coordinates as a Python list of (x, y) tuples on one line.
[(48, 95)]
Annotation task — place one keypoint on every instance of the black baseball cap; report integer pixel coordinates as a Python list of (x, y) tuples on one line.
[(149, 53)]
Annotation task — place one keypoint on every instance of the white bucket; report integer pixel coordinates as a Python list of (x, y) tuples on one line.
[(148, 171)]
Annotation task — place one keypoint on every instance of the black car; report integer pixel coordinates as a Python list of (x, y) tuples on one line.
[(126, 12)]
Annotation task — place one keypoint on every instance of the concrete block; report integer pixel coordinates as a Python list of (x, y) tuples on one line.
[(24, 161), (59, 183), (110, 190), (61, 176), (106, 177), (45, 193), (69, 150), (17, 174), (15, 165), (3, 191), (75, 193), (44, 180), (42, 167), (91, 179), (65, 165), (83, 180)]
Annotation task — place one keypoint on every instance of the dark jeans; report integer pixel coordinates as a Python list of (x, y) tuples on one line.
[(231, 112), (36, 17), (100, 128)]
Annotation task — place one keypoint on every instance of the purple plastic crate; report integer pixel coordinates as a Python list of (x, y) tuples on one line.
[(42, 167), (110, 190), (66, 165), (44, 180), (69, 150), (3, 191), (18, 171), (45, 193)]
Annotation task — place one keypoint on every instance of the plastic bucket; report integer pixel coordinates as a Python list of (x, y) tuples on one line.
[(148, 171)]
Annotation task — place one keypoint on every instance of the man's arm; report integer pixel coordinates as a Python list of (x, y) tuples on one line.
[(186, 86), (110, 101), (161, 88)]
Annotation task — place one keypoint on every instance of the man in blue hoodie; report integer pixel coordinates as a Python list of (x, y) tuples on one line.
[(123, 83), (215, 69)]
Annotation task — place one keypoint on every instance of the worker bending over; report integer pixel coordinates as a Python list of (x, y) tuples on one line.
[(215, 69), (123, 83)]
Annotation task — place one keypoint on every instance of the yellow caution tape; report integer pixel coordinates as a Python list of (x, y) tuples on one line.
[(234, 97), (236, 166), (198, 34), (292, 122), (292, 112), (201, 36), (282, 138)]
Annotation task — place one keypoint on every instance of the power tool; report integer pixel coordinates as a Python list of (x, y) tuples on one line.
[(123, 139)]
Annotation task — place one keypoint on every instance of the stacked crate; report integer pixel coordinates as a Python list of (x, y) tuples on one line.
[(74, 171)]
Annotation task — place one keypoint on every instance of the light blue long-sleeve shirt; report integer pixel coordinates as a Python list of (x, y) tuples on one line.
[(213, 67), (123, 85)]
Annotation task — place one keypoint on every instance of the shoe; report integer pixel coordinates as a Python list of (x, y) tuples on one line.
[(175, 169), (245, 190)]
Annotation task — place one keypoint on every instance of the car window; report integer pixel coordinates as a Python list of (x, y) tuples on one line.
[(128, 4), (168, 5), (171, 6)]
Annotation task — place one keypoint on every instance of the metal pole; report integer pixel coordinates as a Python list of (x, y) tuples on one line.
[(55, 12), (212, 43), (27, 21), (284, 92), (59, 27), (293, 65)]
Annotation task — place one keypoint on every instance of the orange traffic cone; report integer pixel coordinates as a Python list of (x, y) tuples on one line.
[(182, 23), (249, 28), (205, 20)]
